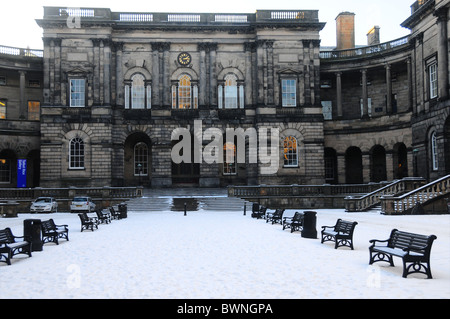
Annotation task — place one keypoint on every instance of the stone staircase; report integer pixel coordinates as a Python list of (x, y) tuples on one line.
[(196, 199)]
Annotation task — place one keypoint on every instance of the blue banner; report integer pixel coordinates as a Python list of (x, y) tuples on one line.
[(21, 173)]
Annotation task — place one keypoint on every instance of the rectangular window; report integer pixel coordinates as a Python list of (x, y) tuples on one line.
[(289, 92), (241, 97), (369, 106), (149, 96), (34, 83), (432, 70), (127, 96), (5, 171), (2, 80), (34, 110), (2, 109), (77, 93), (327, 109)]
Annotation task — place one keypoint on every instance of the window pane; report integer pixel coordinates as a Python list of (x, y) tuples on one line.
[(433, 81), (77, 92), (138, 92), (434, 152), (231, 92), (184, 92), (289, 92), (290, 152), (76, 154), (2, 109), (141, 159), (229, 159), (34, 110), (5, 171)]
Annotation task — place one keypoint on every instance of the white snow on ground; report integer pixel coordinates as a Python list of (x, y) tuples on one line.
[(221, 255)]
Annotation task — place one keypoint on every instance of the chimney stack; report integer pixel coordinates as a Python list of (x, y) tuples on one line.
[(373, 37), (345, 31)]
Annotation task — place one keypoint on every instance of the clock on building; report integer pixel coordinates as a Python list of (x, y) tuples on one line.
[(184, 58)]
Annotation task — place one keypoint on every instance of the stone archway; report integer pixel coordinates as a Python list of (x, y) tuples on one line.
[(378, 164), (353, 166), (137, 159), (400, 161)]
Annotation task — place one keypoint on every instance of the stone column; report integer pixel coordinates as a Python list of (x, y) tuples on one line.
[(201, 47), (442, 46), (46, 70), (270, 76), (213, 74), (260, 72), (156, 94), (248, 47), (119, 74), (166, 75), (96, 84), (22, 103), (410, 83), (339, 93), (57, 71), (388, 89), (365, 110), (107, 72)]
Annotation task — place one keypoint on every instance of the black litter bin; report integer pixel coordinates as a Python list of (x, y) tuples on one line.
[(123, 211), (309, 225), (32, 231)]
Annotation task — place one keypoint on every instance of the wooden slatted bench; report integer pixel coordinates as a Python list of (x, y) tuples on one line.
[(295, 223), (9, 247), (51, 232), (275, 217), (103, 217), (88, 222), (341, 233), (414, 249)]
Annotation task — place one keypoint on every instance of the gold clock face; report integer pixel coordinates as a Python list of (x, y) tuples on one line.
[(184, 58)]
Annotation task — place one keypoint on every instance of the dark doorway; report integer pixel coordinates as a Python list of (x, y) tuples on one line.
[(353, 166), (378, 164)]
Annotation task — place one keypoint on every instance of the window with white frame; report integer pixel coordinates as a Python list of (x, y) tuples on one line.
[(141, 159), (231, 93), (76, 153), (290, 152), (433, 80), (184, 94), (289, 92), (77, 92), (434, 152)]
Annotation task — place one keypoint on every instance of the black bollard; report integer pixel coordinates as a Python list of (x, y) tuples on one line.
[(245, 209), (185, 214)]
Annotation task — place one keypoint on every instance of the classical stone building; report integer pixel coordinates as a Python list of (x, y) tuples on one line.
[(114, 88)]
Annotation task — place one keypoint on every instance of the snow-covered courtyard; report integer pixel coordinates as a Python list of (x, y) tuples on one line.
[(221, 255)]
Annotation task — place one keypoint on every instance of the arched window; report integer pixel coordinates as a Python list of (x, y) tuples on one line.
[(434, 152), (138, 93), (231, 94), (290, 152), (141, 159), (184, 94), (229, 159), (76, 153)]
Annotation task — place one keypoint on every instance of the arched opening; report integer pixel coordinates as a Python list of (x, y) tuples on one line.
[(353, 166), (447, 145), (400, 159), (378, 164), (185, 174), (34, 168), (137, 159), (331, 174)]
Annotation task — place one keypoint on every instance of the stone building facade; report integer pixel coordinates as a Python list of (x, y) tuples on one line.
[(115, 88)]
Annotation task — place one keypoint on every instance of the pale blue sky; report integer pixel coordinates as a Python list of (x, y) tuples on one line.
[(19, 29)]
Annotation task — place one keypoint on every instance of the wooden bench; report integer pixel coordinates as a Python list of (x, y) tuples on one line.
[(414, 249), (341, 233), (103, 217), (9, 247), (261, 213), (52, 232), (294, 223), (275, 217), (88, 222), (114, 214)]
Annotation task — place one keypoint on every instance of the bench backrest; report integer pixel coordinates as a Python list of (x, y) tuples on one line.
[(83, 217), (298, 217), (416, 242), (345, 227), (48, 226), (6, 236), (278, 213)]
